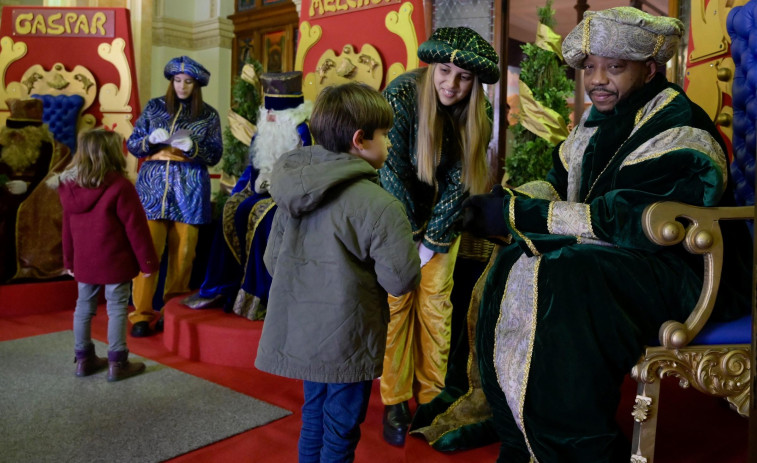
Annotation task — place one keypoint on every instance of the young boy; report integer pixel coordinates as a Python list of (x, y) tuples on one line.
[(339, 243)]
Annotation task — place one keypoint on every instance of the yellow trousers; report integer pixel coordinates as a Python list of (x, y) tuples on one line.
[(181, 239), (418, 337)]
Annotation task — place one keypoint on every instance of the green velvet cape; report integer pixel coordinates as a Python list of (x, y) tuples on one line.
[(567, 308)]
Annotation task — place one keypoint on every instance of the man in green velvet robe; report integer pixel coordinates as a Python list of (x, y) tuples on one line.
[(576, 290)]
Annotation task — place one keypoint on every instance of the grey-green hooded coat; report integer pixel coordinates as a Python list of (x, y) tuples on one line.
[(338, 244)]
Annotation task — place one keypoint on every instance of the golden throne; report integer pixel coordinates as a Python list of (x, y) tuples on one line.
[(712, 364)]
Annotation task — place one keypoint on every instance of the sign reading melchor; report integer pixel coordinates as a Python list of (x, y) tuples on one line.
[(319, 8), (63, 22)]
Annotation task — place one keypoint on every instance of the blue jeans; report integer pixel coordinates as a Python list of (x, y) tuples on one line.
[(331, 417), (117, 298)]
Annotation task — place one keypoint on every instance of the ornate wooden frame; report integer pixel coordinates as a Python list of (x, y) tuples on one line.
[(253, 24)]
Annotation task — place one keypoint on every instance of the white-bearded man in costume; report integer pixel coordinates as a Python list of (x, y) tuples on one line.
[(236, 273)]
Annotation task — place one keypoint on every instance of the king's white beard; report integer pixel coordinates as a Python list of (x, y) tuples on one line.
[(274, 138)]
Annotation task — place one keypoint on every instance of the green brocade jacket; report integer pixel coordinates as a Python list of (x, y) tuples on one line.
[(567, 308), (433, 210)]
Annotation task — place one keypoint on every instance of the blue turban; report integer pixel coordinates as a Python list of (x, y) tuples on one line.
[(186, 65)]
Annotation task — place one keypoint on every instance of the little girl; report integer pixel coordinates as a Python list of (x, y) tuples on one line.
[(106, 242)]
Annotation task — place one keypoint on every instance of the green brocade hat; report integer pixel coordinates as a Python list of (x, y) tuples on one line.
[(624, 33), (464, 48)]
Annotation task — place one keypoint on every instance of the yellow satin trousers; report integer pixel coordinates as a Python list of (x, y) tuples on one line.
[(418, 337), (181, 239)]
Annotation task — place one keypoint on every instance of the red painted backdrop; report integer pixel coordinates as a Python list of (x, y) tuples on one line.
[(52, 39), (358, 25)]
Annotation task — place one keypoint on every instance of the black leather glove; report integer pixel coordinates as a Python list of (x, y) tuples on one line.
[(483, 216)]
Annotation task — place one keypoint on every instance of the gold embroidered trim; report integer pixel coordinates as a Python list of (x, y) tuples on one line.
[(438, 243), (588, 222), (452, 56), (277, 95), (652, 156), (511, 216), (257, 214), (499, 321), (173, 122), (227, 220), (552, 187), (658, 45), (638, 123), (585, 42), (532, 337), (471, 328), (550, 213), (167, 181), (540, 189), (562, 156), (672, 94)]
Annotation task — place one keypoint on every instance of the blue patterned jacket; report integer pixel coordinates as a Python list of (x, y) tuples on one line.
[(170, 190)]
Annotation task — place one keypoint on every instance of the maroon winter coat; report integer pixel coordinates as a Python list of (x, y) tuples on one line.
[(105, 235)]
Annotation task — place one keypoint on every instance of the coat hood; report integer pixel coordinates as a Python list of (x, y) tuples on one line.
[(303, 178), (73, 197)]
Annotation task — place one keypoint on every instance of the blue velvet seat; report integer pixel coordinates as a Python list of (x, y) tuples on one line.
[(738, 331), (61, 114)]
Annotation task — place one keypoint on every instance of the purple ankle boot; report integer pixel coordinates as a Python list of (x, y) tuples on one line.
[(119, 366), (87, 362)]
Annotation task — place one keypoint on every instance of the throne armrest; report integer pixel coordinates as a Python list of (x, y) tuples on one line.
[(702, 235)]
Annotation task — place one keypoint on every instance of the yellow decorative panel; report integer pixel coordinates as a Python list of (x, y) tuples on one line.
[(116, 98), (350, 66), (10, 52), (708, 30), (401, 23)]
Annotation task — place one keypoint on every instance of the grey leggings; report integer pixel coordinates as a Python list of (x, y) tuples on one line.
[(117, 298)]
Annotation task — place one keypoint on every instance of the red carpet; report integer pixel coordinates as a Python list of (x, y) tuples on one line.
[(221, 347)]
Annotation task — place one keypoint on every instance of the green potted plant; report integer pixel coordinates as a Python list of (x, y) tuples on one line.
[(544, 73), (246, 100)]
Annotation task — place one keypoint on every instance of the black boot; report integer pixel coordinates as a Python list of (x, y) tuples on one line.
[(397, 419), (142, 330), (119, 366), (87, 362)]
